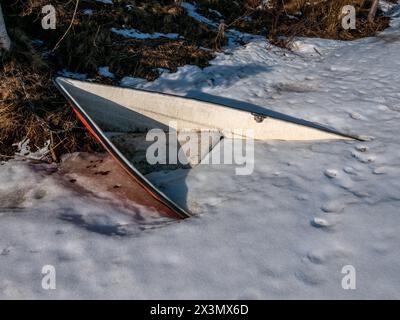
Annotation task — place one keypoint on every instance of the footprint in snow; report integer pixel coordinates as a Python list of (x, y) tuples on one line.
[(302, 197), (331, 173), (350, 171), (395, 108), (355, 116), (362, 148), (5, 251), (13, 199), (315, 258), (325, 256), (383, 107), (310, 276), (321, 223), (360, 194), (39, 194), (362, 157), (366, 138), (338, 68), (333, 207), (380, 170)]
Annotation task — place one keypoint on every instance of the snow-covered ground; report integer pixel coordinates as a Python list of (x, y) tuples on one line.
[(286, 231)]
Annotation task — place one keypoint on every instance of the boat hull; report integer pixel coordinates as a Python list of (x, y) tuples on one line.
[(104, 109)]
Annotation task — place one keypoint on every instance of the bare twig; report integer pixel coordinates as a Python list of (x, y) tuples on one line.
[(373, 10), (69, 28)]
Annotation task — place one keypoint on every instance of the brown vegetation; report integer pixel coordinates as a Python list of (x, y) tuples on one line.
[(31, 107)]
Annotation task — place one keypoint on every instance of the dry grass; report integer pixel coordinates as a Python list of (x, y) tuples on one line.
[(30, 105), (324, 20), (31, 108), (291, 18)]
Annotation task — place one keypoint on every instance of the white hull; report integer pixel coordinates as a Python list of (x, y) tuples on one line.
[(130, 110)]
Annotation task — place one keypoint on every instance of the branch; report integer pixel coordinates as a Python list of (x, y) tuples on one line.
[(372, 11), (70, 26)]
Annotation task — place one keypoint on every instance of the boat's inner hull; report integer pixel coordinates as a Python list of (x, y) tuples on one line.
[(165, 150)]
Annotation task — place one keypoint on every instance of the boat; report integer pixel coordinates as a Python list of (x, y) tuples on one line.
[(119, 118)]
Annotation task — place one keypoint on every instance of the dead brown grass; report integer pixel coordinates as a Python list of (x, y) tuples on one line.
[(324, 20), (32, 108), (291, 18)]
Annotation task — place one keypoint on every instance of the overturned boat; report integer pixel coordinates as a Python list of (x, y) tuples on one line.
[(120, 118)]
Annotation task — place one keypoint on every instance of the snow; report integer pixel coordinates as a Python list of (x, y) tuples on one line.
[(131, 82), (24, 150), (136, 34), (105, 72), (88, 12), (286, 231), (235, 38), (191, 10), (105, 1), (73, 75)]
